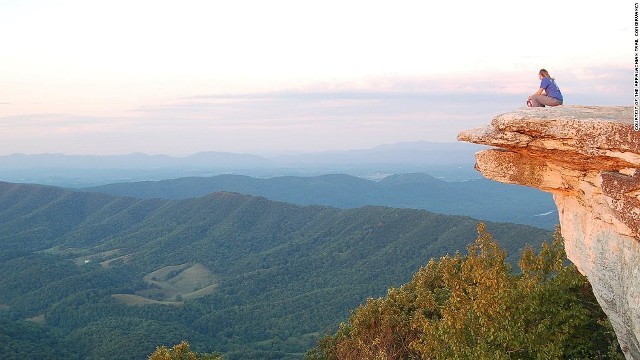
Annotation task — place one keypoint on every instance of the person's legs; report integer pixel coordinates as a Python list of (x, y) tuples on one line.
[(542, 100)]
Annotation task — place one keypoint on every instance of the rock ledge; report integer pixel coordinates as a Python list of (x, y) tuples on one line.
[(588, 157)]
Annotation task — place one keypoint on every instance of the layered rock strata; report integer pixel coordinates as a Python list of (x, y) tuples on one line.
[(589, 158)]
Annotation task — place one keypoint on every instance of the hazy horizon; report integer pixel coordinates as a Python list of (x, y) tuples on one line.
[(159, 77), (265, 154)]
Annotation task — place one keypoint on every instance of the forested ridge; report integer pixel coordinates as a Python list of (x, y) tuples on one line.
[(478, 198), (285, 275)]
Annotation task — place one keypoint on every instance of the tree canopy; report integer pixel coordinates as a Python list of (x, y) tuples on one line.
[(475, 306), (181, 351)]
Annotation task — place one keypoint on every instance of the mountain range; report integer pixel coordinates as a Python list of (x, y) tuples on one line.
[(88, 275), (478, 198), (453, 161)]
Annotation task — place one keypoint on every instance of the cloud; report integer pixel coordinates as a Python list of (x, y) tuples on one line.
[(320, 116), (319, 119), (601, 85)]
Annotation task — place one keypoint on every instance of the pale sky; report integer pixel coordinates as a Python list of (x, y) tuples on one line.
[(179, 77)]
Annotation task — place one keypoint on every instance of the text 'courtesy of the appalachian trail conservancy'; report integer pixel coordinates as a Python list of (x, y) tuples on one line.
[(636, 120)]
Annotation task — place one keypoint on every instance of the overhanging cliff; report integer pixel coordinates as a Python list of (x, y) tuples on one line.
[(589, 158)]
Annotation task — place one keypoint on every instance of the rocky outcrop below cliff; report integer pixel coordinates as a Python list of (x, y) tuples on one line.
[(589, 158)]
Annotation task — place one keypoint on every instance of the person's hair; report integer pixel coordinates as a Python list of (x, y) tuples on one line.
[(545, 73)]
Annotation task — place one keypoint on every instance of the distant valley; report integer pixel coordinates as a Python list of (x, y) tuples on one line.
[(103, 276)]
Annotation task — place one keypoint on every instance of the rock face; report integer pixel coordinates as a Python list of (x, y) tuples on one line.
[(589, 159)]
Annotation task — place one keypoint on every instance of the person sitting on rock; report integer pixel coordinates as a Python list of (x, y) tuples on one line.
[(549, 93)]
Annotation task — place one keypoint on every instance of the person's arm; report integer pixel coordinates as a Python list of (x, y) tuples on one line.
[(537, 93), (544, 82)]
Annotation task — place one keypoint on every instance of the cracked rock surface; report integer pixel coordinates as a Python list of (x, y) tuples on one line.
[(588, 157)]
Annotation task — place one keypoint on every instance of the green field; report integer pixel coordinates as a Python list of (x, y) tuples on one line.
[(172, 285)]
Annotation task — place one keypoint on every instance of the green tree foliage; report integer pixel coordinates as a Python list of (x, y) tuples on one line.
[(286, 272), (25, 340), (181, 351), (476, 307)]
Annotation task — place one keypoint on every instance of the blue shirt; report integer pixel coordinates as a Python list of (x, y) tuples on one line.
[(551, 88)]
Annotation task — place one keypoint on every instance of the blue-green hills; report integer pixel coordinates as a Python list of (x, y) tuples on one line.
[(86, 275), (478, 198)]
